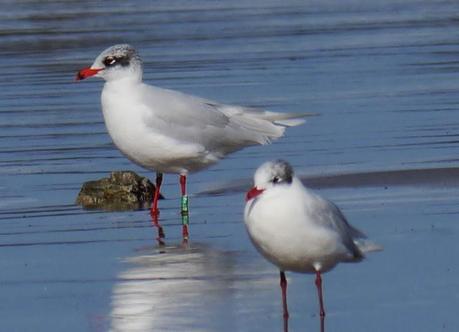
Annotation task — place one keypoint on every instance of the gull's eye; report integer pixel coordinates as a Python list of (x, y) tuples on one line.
[(109, 61), (276, 179)]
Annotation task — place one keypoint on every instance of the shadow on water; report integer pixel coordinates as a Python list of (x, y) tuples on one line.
[(429, 177)]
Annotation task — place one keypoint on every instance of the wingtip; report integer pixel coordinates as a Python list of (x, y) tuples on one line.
[(367, 246)]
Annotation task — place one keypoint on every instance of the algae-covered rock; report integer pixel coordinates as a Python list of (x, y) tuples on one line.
[(123, 190)]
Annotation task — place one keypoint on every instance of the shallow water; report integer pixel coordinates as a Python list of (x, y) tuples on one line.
[(383, 77)]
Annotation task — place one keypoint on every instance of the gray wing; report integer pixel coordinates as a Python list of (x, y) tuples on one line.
[(181, 109), (215, 126), (333, 218), (344, 226)]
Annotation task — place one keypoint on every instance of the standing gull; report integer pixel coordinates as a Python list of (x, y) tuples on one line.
[(171, 132), (297, 230)]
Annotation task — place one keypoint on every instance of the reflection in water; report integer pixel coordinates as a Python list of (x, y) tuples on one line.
[(178, 288), (160, 288), (161, 235), (196, 288), (160, 231)]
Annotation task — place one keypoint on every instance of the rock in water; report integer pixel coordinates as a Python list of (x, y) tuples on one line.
[(123, 190)]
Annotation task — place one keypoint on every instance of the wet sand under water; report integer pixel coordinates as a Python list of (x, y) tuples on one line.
[(384, 78)]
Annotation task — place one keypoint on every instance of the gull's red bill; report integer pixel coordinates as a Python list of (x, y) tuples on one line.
[(87, 72), (252, 193)]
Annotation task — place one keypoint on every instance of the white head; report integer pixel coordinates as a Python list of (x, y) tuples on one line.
[(271, 174), (116, 62)]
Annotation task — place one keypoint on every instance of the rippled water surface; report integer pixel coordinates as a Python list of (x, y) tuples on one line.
[(384, 78)]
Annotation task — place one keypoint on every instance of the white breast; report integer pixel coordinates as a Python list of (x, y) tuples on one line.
[(125, 112), (283, 229)]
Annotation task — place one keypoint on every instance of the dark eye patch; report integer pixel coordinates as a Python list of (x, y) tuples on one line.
[(282, 172), (111, 61)]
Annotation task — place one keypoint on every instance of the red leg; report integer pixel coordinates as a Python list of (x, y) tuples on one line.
[(283, 284), (319, 291), (183, 184), (184, 207), (154, 211)]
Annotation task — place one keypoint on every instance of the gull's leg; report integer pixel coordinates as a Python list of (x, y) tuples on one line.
[(319, 291), (184, 207), (154, 211), (154, 207), (283, 285)]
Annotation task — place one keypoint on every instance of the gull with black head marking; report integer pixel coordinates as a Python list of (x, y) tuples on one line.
[(171, 132), (298, 230)]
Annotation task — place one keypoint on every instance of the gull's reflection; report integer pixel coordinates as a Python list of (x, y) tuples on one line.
[(195, 288), (159, 229), (180, 288)]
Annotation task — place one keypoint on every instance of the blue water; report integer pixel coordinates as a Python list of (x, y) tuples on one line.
[(382, 75)]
